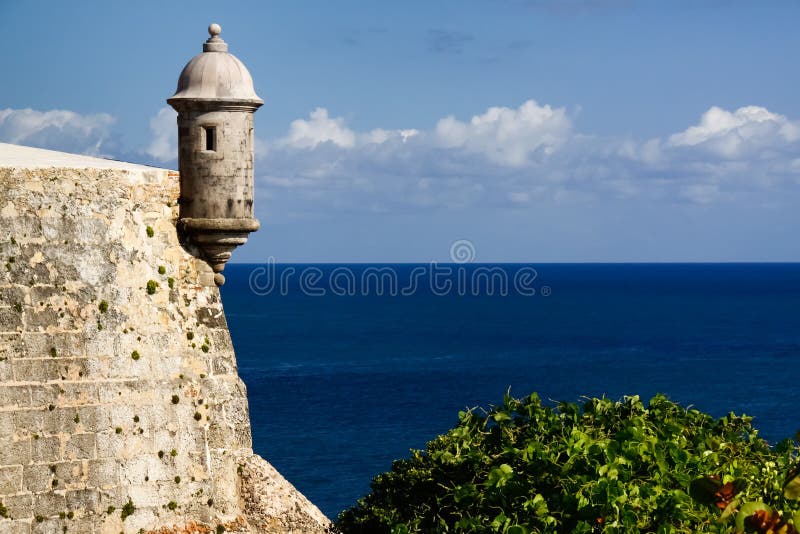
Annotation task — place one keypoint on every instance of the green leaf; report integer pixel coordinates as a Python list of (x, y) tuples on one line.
[(465, 493), (501, 416), (499, 476), (499, 521), (791, 490)]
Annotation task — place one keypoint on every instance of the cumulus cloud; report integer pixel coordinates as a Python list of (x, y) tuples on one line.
[(738, 133), (508, 136), (321, 128), (57, 129), (507, 157), (518, 157), (164, 146)]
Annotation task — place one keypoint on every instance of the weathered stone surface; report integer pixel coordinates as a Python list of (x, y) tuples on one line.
[(101, 377), (271, 504)]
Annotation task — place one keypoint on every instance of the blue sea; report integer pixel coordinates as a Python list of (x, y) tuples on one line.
[(349, 366)]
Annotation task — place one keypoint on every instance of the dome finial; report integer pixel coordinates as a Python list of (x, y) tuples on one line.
[(215, 42)]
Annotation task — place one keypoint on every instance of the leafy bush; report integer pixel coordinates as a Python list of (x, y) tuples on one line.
[(602, 467)]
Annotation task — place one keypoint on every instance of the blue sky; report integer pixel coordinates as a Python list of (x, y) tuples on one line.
[(572, 130)]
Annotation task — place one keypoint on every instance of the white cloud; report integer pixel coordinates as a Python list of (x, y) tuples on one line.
[(739, 133), (521, 157), (504, 157), (318, 129), (56, 129), (164, 146), (508, 136)]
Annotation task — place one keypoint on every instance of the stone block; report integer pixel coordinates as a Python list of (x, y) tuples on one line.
[(86, 500), (38, 478), (7, 424), (52, 525), (10, 479), (44, 395), (48, 504), (6, 372), (77, 393), (76, 369), (109, 444), (46, 449), (9, 526), (9, 295), (40, 295), (60, 420), (38, 319), (71, 473), (27, 422), (11, 346), (80, 447), (102, 473), (10, 320), (36, 370), (19, 506), (17, 452), (93, 418), (15, 396)]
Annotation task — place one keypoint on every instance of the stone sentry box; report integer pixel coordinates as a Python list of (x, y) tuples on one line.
[(215, 101)]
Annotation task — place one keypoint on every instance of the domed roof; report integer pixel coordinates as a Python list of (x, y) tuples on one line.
[(215, 75)]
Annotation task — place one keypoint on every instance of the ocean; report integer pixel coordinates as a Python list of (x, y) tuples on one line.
[(349, 366)]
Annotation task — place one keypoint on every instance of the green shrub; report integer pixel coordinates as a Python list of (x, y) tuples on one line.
[(605, 466), (151, 287), (127, 510)]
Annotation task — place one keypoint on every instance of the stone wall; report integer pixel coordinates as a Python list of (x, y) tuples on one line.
[(121, 409)]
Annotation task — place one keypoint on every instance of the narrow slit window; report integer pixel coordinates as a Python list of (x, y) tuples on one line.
[(211, 137)]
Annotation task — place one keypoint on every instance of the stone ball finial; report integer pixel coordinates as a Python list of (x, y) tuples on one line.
[(215, 42)]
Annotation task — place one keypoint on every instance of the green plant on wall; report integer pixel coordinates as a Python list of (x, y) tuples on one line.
[(603, 466), (127, 510), (152, 285)]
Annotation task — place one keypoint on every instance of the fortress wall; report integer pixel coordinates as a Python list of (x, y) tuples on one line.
[(120, 406)]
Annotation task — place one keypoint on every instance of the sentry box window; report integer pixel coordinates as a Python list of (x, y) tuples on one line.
[(211, 137)]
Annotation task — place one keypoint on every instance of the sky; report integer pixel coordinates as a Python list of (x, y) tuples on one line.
[(539, 130)]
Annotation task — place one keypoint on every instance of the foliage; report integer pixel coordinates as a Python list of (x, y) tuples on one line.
[(127, 510), (601, 467), (151, 287)]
